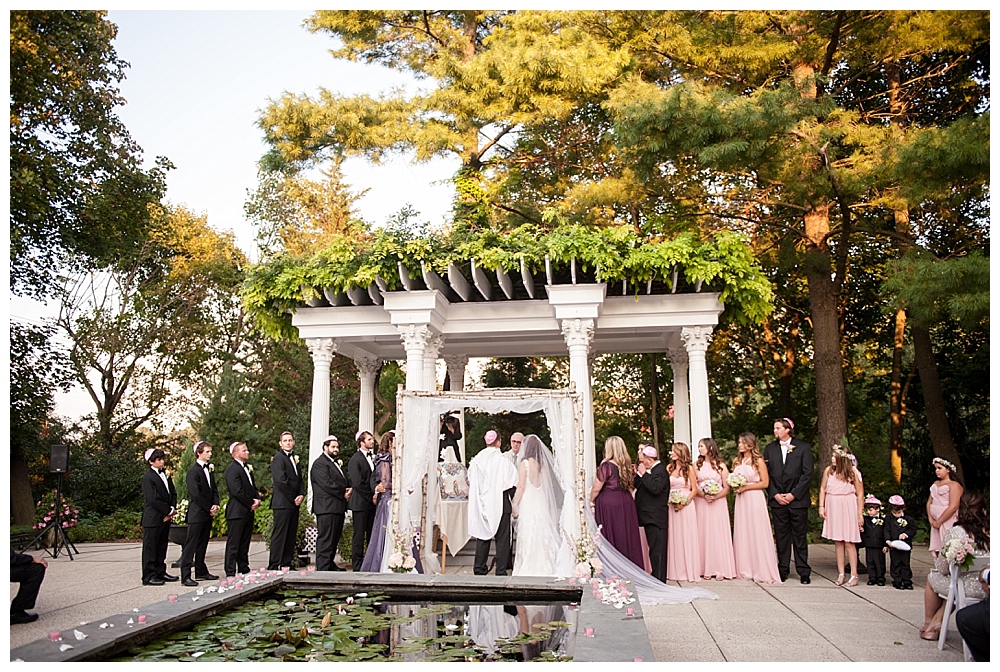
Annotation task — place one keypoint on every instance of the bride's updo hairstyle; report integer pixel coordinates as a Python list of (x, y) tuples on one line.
[(531, 446)]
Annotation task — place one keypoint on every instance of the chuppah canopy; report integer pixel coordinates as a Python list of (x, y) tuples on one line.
[(415, 457)]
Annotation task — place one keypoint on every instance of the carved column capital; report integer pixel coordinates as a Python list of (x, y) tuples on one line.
[(321, 349), (578, 333), (696, 339), (415, 336), (678, 356), (368, 365), (433, 347), (456, 362)]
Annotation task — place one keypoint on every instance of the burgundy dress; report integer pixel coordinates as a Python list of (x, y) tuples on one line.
[(614, 510)]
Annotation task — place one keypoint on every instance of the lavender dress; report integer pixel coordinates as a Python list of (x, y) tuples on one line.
[(373, 556)]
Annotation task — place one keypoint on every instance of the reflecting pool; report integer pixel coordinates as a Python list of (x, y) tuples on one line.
[(313, 625)]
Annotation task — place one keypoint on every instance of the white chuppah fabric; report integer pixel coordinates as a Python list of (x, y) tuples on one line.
[(417, 454)]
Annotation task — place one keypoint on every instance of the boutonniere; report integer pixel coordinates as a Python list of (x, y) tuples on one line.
[(340, 463), (902, 522), (211, 467), (250, 468), (791, 447), (295, 458), (166, 472), (877, 520)]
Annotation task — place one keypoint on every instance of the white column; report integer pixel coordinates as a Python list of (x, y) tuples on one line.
[(696, 341), (456, 371), (431, 351), (579, 335), (322, 350), (415, 337), (368, 368), (682, 414)]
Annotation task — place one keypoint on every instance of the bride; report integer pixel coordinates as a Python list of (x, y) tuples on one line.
[(536, 505)]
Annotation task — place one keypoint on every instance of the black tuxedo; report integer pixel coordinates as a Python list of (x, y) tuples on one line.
[(899, 561), (652, 491), (203, 494), (873, 539), (29, 574), (239, 518), (791, 521), (160, 501), (329, 484), (288, 485), (361, 505)]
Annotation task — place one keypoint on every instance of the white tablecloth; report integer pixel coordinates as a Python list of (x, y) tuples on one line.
[(453, 519)]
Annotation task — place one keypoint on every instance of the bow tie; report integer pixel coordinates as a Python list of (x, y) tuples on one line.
[(161, 471), (205, 467)]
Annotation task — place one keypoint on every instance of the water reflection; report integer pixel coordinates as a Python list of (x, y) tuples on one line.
[(497, 631)]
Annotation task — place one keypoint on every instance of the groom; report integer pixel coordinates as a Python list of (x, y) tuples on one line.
[(652, 490), (790, 470), (491, 474)]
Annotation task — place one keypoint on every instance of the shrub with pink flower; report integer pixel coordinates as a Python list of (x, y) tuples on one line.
[(45, 511)]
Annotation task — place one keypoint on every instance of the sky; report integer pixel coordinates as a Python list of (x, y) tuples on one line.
[(194, 89)]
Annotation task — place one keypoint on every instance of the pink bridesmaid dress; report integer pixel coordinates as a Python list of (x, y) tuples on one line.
[(841, 505), (717, 557), (753, 542), (940, 496), (683, 547)]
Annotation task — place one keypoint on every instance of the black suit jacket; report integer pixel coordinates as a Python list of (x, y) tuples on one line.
[(328, 486), (287, 482), (241, 492), (794, 476), (873, 536), (160, 499), (202, 494), (651, 494), (360, 472), (895, 527)]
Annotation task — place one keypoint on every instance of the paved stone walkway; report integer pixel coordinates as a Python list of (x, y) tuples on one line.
[(750, 622)]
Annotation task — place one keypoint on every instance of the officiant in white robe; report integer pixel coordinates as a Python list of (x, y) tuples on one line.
[(491, 474)]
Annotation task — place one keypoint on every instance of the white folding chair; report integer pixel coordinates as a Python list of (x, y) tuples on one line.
[(957, 598)]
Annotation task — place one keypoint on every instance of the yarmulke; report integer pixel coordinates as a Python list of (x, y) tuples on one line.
[(896, 500), (194, 448), (790, 423), (872, 500), (358, 435), (331, 438), (232, 446), (491, 437), (149, 452), (649, 451)]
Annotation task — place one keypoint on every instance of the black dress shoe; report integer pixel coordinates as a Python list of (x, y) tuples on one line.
[(337, 568), (23, 617), (805, 580), (783, 577), (170, 577), (188, 581), (206, 577), (154, 582), (881, 582)]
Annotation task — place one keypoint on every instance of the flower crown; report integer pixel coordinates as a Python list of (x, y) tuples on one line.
[(839, 450), (944, 463)]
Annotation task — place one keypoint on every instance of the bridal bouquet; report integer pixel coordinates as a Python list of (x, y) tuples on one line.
[(736, 481), (588, 565), (401, 560), (678, 499), (710, 487), (959, 552)]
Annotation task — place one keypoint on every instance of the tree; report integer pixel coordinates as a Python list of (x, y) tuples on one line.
[(148, 326), (78, 192)]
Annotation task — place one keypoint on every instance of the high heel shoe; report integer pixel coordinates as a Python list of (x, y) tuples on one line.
[(931, 633), (853, 582), (839, 581)]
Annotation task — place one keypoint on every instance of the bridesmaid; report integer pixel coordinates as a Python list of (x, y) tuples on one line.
[(713, 514), (683, 547), (942, 505), (841, 506), (753, 542)]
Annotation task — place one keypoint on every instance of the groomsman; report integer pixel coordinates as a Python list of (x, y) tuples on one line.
[(790, 469), (203, 497), (331, 490), (289, 491), (362, 507), (243, 501), (652, 492), (161, 504)]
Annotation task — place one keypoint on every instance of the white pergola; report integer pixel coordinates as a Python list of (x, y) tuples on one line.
[(510, 317)]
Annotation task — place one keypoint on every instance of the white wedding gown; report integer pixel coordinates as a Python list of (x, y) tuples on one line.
[(538, 537)]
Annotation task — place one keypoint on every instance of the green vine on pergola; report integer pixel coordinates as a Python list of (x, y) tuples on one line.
[(723, 261)]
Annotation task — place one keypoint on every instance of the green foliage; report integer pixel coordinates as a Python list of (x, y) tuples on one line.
[(346, 542), (122, 525), (723, 260), (932, 289), (79, 195), (104, 481)]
